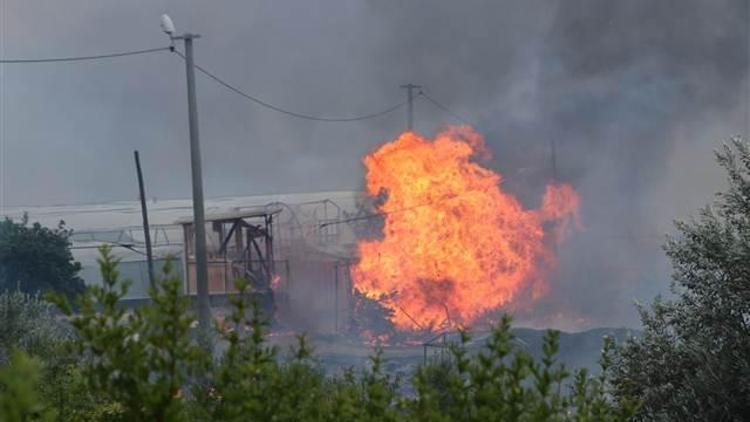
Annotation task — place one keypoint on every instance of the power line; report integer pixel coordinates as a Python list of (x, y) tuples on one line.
[(450, 112), (211, 76), (288, 112), (84, 58)]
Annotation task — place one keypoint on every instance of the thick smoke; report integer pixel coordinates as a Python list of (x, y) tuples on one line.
[(634, 94)]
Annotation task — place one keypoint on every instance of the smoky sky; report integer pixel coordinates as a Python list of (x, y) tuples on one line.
[(633, 94)]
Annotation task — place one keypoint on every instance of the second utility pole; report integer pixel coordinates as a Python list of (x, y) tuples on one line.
[(199, 218), (410, 104), (144, 215)]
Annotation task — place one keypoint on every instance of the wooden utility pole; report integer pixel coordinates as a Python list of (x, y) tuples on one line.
[(410, 87), (144, 213)]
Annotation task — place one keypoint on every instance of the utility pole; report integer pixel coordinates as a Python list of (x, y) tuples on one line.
[(410, 87), (199, 218), (144, 213)]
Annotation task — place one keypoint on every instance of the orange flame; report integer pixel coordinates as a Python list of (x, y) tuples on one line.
[(454, 244)]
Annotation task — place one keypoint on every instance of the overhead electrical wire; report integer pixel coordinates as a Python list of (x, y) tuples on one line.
[(234, 89), (85, 58), (450, 112), (265, 104)]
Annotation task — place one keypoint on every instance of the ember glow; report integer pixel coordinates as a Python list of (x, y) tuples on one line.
[(455, 246)]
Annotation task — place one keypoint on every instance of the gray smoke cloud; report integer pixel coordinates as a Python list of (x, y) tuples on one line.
[(634, 95)]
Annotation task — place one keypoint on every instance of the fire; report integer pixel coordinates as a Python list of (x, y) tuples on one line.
[(454, 245)]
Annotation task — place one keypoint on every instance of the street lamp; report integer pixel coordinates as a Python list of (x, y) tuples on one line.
[(199, 218), (167, 25)]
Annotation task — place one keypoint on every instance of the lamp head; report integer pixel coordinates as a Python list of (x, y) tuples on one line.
[(167, 25)]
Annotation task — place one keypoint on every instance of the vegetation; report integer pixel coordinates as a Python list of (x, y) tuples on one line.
[(693, 360), (145, 365), (37, 259), (19, 383), (691, 363), (28, 323)]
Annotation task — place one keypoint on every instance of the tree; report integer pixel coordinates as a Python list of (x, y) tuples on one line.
[(140, 359), (35, 259), (693, 360)]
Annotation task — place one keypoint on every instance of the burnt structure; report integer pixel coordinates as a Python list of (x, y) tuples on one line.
[(239, 245), (296, 257)]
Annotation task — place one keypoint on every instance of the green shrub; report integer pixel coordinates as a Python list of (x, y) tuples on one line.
[(502, 382), (138, 360), (19, 390)]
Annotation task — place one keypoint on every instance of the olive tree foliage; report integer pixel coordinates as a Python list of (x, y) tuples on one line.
[(693, 359), (37, 259)]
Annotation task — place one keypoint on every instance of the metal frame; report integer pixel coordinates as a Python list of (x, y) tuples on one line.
[(246, 249)]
